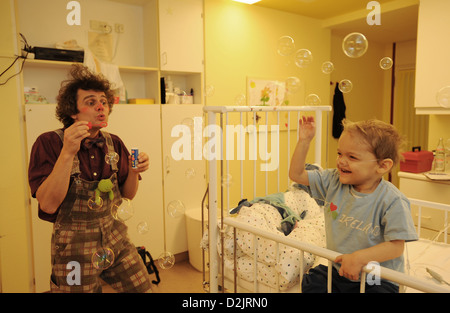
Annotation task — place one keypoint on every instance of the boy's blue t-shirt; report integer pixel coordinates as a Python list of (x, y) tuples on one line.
[(356, 221)]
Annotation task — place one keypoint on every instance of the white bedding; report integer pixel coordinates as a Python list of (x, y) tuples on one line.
[(423, 254), (265, 216)]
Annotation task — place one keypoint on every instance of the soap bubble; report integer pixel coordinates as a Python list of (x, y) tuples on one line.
[(102, 258), (327, 67), (122, 210), (345, 85), (286, 46), (292, 84), (142, 228), (443, 97), (93, 205), (240, 100), (209, 91), (303, 58), (355, 45), (166, 260), (189, 173), (227, 180), (175, 208), (111, 158), (312, 99), (386, 63)]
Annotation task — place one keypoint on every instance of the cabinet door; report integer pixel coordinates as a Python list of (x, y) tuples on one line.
[(139, 126), (432, 60), (184, 179), (40, 119), (181, 35)]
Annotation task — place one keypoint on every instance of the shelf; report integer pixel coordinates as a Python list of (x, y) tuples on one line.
[(65, 64)]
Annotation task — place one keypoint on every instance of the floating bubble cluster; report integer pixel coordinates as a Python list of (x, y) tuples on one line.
[(166, 260), (345, 85), (142, 228), (93, 205), (122, 210), (292, 84), (303, 58), (327, 67), (286, 46), (176, 208), (386, 63), (443, 97), (312, 100), (355, 45), (102, 258)]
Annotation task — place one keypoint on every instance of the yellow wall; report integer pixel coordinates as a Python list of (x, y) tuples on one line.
[(15, 257), (241, 41), (439, 127)]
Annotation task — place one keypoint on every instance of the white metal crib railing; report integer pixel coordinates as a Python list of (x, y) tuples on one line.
[(385, 273), (212, 112)]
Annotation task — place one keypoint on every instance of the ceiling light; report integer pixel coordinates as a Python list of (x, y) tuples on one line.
[(247, 1)]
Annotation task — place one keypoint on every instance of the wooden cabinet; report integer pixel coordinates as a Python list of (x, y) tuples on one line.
[(168, 182), (181, 35), (432, 61), (147, 28)]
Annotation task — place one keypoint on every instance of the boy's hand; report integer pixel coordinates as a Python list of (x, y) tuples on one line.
[(351, 265), (307, 128)]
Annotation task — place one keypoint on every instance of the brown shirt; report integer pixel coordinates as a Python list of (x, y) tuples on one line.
[(45, 152)]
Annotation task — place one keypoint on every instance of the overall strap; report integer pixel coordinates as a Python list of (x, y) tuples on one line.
[(76, 161), (110, 145)]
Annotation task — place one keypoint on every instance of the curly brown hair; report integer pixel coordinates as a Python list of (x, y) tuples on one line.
[(81, 78)]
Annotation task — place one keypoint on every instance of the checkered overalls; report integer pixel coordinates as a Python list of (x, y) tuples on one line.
[(80, 231)]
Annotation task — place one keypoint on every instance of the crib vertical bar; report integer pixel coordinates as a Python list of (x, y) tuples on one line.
[(362, 287), (278, 169), (289, 143), (222, 201), (212, 225), (329, 277), (277, 258), (255, 264), (446, 227), (419, 221), (228, 177), (267, 147), (255, 133), (235, 260), (302, 257), (318, 136), (242, 154)]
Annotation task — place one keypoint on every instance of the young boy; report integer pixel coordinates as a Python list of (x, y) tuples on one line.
[(366, 218)]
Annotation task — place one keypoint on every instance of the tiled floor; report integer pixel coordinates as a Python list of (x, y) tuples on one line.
[(181, 278)]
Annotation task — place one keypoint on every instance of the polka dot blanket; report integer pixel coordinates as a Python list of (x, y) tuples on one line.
[(267, 217)]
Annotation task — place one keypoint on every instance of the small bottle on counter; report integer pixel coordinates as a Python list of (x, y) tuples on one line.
[(439, 157)]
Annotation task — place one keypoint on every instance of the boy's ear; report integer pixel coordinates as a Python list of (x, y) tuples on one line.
[(385, 165)]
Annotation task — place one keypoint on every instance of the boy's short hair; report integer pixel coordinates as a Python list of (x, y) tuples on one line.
[(80, 78), (383, 138)]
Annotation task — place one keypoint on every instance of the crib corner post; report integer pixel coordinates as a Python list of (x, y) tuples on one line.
[(212, 219)]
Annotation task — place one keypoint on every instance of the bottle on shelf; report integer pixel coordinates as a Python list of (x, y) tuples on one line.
[(439, 158)]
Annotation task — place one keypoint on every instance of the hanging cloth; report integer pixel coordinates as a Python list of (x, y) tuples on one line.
[(338, 111)]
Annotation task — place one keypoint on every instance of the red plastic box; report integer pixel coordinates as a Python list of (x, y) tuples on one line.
[(417, 161)]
